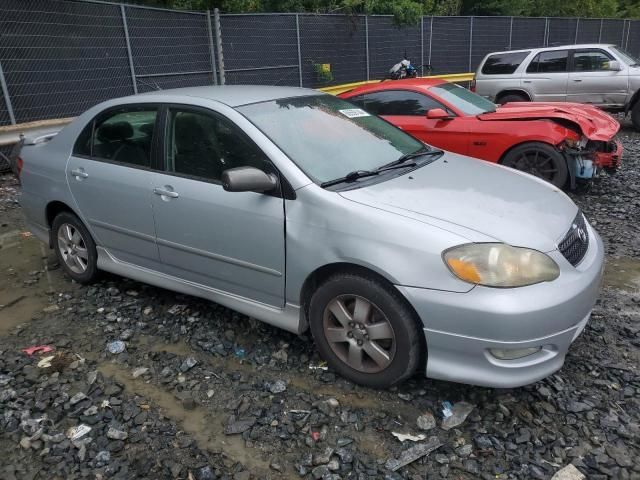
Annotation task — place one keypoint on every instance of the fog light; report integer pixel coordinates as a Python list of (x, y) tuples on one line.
[(512, 354)]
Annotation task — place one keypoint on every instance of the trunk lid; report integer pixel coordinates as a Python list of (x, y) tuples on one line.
[(593, 122)]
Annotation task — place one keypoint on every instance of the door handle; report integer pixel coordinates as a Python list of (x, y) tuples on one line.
[(526, 81), (576, 79), (165, 193), (79, 173)]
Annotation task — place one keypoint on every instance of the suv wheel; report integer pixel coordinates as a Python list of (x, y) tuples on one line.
[(512, 97), (365, 330), (635, 116), (539, 159), (74, 247)]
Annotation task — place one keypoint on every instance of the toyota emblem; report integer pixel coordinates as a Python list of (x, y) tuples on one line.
[(582, 235)]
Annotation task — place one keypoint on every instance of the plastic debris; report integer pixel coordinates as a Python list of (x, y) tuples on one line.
[(45, 362), (117, 346), (315, 436), (26, 234), (407, 436), (320, 366), (139, 371), (412, 454), (459, 414), (240, 352), (37, 349), (446, 409), (74, 433), (568, 473)]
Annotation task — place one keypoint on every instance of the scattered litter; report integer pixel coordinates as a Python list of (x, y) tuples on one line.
[(412, 454), (37, 349), (117, 346), (45, 362), (407, 436), (320, 366), (568, 473), (459, 414), (446, 409), (139, 371), (74, 433), (26, 234), (315, 436), (239, 352)]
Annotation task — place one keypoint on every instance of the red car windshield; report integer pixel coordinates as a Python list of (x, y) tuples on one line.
[(462, 99)]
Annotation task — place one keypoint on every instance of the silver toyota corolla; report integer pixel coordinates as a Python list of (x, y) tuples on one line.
[(303, 211)]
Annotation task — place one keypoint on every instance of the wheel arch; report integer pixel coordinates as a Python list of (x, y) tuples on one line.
[(513, 91), (634, 99), (519, 144), (52, 210)]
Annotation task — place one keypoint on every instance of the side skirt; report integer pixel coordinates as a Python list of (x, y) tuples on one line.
[(288, 318)]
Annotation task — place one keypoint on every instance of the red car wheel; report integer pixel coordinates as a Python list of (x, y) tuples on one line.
[(540, 160)]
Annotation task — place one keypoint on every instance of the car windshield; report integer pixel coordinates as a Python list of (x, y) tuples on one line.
[(626, 56), (464, 100), (328, 137)]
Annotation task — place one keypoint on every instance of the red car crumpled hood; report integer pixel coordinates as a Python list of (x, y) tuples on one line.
[(594, 123)]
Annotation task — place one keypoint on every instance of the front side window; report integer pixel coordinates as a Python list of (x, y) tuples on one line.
[(503, 63), (464, 100), (553, 61), (328, 137), (396, 102), (590, 61), (202, 144)]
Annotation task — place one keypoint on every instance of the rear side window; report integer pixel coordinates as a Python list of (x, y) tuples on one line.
[(554, 61), (396, 102), (503, 63), (590, 61)]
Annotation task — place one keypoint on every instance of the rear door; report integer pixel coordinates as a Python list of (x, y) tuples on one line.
[(591, 79), (547, 75), (109, 174), (408, 111), (229, 241)]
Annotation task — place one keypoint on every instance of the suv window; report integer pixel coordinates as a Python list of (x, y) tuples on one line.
[(123, 135), (396, 102), (202, 144), (590, 61), (553, 61), (503, 63)]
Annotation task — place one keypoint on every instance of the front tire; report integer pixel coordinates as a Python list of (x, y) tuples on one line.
[(539, 159), (74, 247), (635, 116), (511, 97), (365, 330)]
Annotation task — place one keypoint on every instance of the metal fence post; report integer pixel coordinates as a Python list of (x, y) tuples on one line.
[(299, 49), (470, 41), (626, 43), (213, 57), (510, 33), (366, 41), (422, 45), (575, 38), (624, 25), (430, 42), (600, 34), (126, 37), (218, 33), (545, 40), (7, 98)]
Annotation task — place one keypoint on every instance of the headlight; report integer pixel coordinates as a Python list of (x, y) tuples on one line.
[(500, 265)]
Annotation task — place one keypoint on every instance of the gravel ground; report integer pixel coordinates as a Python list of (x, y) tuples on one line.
[(201, 392)]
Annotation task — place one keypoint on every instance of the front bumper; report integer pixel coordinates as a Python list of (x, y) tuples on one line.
[(611, 157), (461, 328)]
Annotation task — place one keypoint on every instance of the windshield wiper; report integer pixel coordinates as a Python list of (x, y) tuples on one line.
[(408, 156), (350, 177)]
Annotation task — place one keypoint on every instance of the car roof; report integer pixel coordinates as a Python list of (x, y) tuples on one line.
[(233, 95), (404, 84), (556, 47)]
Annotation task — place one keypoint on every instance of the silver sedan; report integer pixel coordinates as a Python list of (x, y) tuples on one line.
[(305, 212)]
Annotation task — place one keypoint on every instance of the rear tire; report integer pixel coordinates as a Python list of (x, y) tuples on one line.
[(74, 247), (539, 159), (635, 116), (512, 97), (374, 339)]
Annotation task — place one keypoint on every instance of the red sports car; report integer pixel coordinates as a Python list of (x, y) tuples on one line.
[(558, 142)]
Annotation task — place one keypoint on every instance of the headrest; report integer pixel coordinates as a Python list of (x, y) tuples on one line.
[(109, 132)]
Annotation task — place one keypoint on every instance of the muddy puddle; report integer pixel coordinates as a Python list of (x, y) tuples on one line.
[(26, 281), (623, 273), (203, 425)]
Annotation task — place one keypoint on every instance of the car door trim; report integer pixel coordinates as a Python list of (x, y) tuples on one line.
[(124, 231), (221, 258), (290, 317)]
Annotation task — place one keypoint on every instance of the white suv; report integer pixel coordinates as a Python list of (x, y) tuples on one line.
[(602, 75)]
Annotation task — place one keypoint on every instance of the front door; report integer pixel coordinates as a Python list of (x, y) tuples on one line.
[(109, 175), (592, 81), (229, 241), (546, 76)]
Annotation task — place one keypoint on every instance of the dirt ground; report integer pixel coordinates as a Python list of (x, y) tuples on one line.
[(202, 392)]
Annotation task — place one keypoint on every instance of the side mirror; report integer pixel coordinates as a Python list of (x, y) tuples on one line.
[(438, 114), (614, 65), (248, 179)]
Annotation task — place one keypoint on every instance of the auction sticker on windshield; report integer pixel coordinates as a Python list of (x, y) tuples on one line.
[(354, 113)]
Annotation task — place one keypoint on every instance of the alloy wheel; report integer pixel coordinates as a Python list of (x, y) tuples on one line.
[(359, 333), (535, 162), (73, 248)]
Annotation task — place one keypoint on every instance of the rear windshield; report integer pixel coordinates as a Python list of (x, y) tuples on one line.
[(503, 63)]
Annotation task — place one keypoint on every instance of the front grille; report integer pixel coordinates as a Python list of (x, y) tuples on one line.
[(575, 243)]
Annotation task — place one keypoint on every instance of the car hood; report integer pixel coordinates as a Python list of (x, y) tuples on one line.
[(594, 123), (490, 202)]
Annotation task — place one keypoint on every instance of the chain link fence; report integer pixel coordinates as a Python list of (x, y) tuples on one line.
[(60, 57)]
